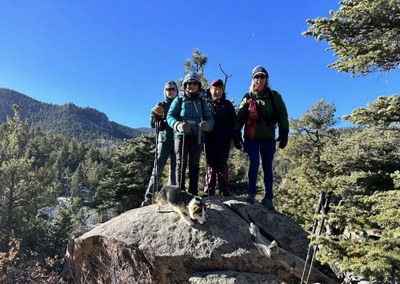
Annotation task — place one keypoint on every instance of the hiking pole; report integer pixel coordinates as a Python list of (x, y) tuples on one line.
[(155, 188), (205, 157), (324, 210), (199, 140), (182, 160), (315, 225)]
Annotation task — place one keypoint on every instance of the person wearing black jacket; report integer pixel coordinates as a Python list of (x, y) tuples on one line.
[(218, 141)]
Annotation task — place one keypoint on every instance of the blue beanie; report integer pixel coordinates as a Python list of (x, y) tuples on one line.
[(191, 76)]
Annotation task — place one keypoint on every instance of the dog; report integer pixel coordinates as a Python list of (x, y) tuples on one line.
[(188, 206)]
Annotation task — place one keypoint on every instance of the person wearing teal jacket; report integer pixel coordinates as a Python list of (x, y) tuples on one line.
[(261, 111), (165, 142), (190, 116)]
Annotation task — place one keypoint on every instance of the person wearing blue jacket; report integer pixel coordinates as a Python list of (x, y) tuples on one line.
[(218, 141), (190, 116), (165, 142)]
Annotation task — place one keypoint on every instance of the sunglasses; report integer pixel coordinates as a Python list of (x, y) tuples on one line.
[(259, 77), (192, 83), (170, 89)]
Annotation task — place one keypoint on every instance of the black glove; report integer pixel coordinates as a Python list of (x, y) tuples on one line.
[(238, 140), (283, 137)]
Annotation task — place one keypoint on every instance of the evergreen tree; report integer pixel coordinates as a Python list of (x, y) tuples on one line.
[(364, 219), (299, 169), (197, 64), (365, 35), (26, 182), (383, 112), (124, 186), (238, 168)]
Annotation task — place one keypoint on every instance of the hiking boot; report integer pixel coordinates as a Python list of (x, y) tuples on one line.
[(147, 200), (267, 202), (251, 198)]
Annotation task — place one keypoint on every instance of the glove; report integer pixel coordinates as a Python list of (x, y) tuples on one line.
[(182, 126), (238, 140), (155, 118), (158, 110), (283, 137), (204, 126)]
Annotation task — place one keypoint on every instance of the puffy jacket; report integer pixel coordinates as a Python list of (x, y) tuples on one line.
[(268, 118), (193, 111), (166, 133), (224, 117)]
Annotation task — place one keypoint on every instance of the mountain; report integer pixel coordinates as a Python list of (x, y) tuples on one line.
[(85, 124)]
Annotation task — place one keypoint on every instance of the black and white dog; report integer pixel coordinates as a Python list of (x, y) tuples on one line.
[(188, 206)]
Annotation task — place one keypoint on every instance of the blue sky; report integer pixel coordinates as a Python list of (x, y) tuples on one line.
[(115, 56)]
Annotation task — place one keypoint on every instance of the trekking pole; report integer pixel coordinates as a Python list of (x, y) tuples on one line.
[(199, 141), (205, 157), (315, 225), (182, 161), (155, 188), (324, 210)]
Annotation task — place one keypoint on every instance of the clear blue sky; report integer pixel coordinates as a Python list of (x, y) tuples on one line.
[(115, 56)]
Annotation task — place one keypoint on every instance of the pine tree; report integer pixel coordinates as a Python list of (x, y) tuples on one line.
[(365, 35), (197, 64), (299, 169), (123, 188), (26, 182), (365, 217)]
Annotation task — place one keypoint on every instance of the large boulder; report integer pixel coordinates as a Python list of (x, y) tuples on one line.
[(239, 243)]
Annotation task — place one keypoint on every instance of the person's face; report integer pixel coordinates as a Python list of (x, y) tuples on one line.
[(171, 91), (259, 82), (216, 92), (192, 87)]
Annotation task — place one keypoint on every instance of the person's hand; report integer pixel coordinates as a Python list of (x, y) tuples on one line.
[(182, 126), (238, 140), (283, 137), (204, 126), (155, 118), (158, 110)]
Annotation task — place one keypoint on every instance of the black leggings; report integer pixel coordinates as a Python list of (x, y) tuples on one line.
[(191, 150)]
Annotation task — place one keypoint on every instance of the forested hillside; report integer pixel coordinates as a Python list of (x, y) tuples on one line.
[(359, 167), (85, 124), (357, 234)]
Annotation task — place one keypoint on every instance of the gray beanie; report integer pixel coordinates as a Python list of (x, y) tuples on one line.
[(259, 70)]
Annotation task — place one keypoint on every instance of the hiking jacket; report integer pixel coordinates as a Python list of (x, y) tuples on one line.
[(268, 116), (193, 111), (166, 133), (224, 117)]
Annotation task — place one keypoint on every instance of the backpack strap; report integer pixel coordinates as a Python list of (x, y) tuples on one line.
[(274, 115)]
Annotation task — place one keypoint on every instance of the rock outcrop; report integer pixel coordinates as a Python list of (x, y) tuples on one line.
[(233, 246)]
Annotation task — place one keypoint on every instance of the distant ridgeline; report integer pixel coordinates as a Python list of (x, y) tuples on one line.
[(84, 124)]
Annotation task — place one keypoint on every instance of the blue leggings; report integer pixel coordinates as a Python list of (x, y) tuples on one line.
[(265, 148)]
